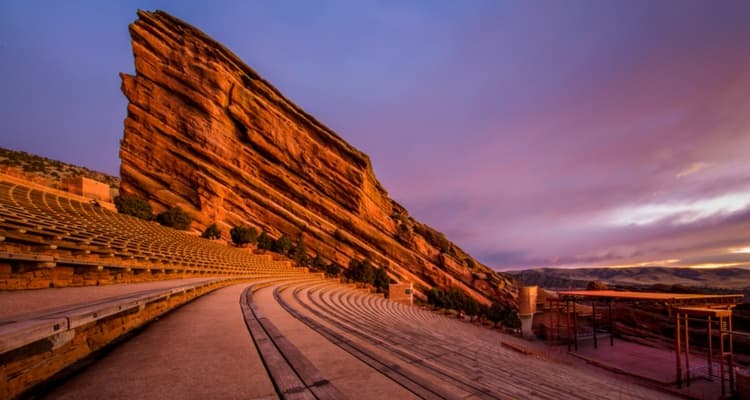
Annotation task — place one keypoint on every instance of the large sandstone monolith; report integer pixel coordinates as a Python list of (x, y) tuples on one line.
[(207, 133)]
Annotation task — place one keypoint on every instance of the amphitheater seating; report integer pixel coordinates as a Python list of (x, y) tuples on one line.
[(407, 342), (429, 355), (44, 230)]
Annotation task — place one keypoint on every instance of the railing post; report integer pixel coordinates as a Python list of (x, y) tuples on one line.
[(611, 326), (731, 356), (593, 321), (678, 349), (567, 320), (575, 326), (687, 351), (710, 349)]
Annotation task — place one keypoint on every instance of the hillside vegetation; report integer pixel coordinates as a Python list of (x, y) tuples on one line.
[(47, 171)]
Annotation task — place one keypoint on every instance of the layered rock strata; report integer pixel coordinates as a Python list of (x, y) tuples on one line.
[(205, 132)]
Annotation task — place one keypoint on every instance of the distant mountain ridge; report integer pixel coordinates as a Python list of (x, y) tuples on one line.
[(639, 277)]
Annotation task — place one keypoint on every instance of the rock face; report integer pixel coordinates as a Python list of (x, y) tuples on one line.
[(207, 133)]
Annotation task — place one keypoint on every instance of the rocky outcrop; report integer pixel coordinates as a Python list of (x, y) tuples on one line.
[(207, 133)]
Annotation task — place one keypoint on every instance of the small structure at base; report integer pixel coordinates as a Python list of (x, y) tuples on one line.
[(88, 188), (401, 293), (526, 309)]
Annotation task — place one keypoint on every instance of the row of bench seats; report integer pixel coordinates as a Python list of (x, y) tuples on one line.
[(45, 229), (412, 343)]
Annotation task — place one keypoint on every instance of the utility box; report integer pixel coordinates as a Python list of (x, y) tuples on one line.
[(401, 293), (88, 188)]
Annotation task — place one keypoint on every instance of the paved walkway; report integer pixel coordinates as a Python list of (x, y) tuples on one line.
[(200, 351), (20, 303)]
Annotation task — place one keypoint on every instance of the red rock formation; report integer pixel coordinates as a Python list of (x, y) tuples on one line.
[(207, 133)]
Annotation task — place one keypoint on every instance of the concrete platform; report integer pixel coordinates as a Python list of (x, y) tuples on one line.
[(200, 351), (656, 365)]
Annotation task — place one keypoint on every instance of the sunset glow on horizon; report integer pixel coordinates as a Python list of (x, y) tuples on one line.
[(533, 134)]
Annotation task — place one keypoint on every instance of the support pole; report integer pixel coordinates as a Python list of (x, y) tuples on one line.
[(721, 353), (567, 320), (687, 351), (575, 326), (593, 322), (731, 356), (611, 326), (710, 350), (678, 349)]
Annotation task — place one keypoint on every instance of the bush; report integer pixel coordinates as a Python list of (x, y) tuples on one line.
[(381, 280), (471, 307), (299, 254), (317, 263), (499, 313), (264, 241), (333, 269), (212, 232), (437, 297), (511, 320), (282, 245), (242, 235), (453, 298), (176, 218), (496, 313), (360, 271), (134, 206)]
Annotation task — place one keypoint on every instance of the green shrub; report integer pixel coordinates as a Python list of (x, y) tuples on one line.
[(242, 235), (282, 245), (264, 241), (511, 320), (134, 206), (176, 218), (453, 298), (299, 254), (498, 313), (333, 269), (317, 263), (212, 232), (381, 281), (360, 271)]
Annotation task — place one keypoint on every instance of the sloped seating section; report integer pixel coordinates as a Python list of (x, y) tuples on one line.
[(49, 240), (436, 356)]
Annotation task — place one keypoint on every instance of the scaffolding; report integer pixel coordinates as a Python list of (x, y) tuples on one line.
[(719, 318), (714, 310)]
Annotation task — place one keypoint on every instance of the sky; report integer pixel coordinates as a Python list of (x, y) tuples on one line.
[(533, 134)]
